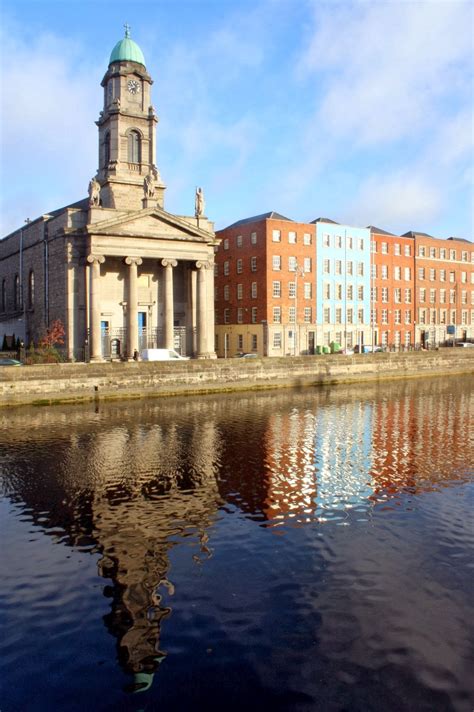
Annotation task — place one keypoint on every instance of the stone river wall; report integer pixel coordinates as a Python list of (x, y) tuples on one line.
[(71, 382)]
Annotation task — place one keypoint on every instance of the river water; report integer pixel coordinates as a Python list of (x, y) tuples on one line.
[(289, 550)]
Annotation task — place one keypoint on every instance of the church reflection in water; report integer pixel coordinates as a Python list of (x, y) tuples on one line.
[(130, 482)]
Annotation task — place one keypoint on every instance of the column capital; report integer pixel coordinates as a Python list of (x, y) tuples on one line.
[(100, 259), (133, 261), (204, 264), (169, 263)]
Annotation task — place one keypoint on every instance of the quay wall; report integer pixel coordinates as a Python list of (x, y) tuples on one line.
[(74, 382)]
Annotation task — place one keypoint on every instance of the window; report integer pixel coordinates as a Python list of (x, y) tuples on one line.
[(240, 342), (31, 290), (253, 238), (397, 338), (226, 293), (422, 295), (349, 267), (384, 316), (374, 294), (239, 291), (407, 250), (373, 316), (307, 315), (276, 289), (432, 296), (407, 338), (385, 295), (361, 243), (384, 249), (253, 290), (350, 315), (254, 315), (373, 247), (277, 315), (16, 293), (407, 296), (253, 264), (453, 316), (292, 264), (360, 316), (338, 267), (433, 253), (338, 241), (326, 266), (307, 238), (397, 296), (350, 292), (226, 316), (407, 316), (463, 297), (292, 315), (397, 249), (360, 269), (432, 275), (442, 316), (239, 266), (134, 147), (238, 241), (307, 290), (374, 271), (107, 149), (327, 290), (452, 296), (407, 272), (421, 273), (254, 342), (326, 240), (384, 272), (291, 290), (464, 277), (338, 315), (349, 243), (240, 313), (292, 237), (442, 296), (327, 315), (442, 275), (452, 276), (307, 264), (226, 243), (464, 317), (421, 251), (464, 256), (397, 273), (452, 254), (360, 292), (276, 263), (442, 253), (397, 314), (277, 339), (276, 235), (338, 291), (226, 268)]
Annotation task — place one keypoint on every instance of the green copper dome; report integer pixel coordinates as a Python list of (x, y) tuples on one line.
[(127, 50)]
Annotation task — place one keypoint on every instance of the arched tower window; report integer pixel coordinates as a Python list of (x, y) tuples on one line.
[(31, 290), (16, 292), (4, 295), (107, 149), (134, 147)]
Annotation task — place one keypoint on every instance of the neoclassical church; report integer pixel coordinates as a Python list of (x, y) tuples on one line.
[(120, 272)]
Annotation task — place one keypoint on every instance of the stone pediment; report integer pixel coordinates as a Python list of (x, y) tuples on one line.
[(151, 222)]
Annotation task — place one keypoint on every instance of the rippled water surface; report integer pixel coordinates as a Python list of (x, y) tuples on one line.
[(306, 550)]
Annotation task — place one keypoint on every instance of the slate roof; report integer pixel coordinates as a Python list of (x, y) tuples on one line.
[(258, 218), (324, 220), (379, 230)]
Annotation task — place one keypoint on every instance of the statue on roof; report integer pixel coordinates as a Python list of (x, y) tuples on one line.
[(199, 203), (94, 192)]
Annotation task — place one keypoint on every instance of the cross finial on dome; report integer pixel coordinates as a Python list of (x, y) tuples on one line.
[(127, 30)]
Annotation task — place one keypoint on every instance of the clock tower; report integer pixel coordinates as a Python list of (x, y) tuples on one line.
[(127, 130)]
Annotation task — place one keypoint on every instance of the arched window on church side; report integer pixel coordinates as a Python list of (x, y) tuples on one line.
[(134, 147), (31, 290), (107, 150), (4, 295), (16, 292)]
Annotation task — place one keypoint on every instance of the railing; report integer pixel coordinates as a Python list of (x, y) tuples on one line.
[(114, 341)]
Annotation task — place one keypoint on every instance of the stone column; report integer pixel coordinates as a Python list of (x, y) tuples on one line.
[(205, 331), (169, 302), (132, 305), (193, 311), (94, 306)]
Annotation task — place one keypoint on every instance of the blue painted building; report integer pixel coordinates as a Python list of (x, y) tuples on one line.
[(343, 281)]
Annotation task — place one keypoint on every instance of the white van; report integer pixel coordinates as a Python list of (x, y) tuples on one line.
[(162, 355)]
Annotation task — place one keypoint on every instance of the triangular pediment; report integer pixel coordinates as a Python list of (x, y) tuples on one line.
[(151, 222)]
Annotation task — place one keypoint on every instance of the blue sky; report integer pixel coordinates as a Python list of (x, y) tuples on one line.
[(359, 111)]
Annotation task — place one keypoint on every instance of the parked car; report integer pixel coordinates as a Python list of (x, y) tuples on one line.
[(10, 362), (465, 344), (162, 355), (246, 355)]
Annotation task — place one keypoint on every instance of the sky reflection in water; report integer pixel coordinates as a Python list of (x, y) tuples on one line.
[(311, 548)]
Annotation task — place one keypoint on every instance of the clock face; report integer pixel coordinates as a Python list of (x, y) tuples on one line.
[(133, 86)]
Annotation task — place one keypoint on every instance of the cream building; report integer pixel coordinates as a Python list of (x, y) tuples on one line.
[(120, 272)]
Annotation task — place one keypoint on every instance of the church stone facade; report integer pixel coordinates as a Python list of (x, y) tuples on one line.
[(120, 272)]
